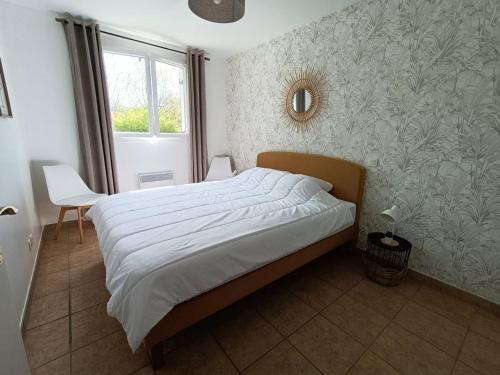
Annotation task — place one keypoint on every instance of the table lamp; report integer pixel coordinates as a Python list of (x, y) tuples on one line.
[(392, 216)]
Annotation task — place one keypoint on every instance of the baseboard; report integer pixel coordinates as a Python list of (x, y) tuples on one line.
[(27, 300), (455, 291), (448, 288)]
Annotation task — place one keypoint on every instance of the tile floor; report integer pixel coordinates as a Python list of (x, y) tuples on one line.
[(324, 318)]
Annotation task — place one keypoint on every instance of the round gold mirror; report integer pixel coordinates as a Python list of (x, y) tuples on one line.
[(302, 96)]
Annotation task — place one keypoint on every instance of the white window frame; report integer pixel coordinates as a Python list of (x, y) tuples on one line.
[(152, 94)]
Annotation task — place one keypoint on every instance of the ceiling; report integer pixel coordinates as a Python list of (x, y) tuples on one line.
[(172, 21)]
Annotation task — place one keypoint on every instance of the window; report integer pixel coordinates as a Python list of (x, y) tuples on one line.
[(146, 94)]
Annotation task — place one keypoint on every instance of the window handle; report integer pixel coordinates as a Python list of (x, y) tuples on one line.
[(8, 210)]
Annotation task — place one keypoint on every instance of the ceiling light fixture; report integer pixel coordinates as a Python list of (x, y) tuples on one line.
[(219, 11)]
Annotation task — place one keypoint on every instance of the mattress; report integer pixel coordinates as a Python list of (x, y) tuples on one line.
[(164, 246)]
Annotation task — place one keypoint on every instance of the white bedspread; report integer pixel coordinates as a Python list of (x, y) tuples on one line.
[(165, 246)]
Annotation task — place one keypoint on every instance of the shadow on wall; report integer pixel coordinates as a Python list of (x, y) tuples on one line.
[(47, 212)]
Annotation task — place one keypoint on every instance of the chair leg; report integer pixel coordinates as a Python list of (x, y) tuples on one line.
[(62, 212), (79, 209)]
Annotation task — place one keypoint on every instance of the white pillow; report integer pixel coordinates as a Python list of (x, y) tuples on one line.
[(325, 185)]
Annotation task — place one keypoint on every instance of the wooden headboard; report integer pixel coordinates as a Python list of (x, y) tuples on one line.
[(347, 178)]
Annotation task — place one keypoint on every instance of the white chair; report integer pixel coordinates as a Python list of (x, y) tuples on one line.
[(67, 190), (220, 168)]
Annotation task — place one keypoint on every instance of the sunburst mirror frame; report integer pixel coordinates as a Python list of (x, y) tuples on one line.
[(311, 80)]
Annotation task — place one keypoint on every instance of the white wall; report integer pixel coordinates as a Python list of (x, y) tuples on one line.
[(15, 188), (143, 155), (40, 78), (215, 82)]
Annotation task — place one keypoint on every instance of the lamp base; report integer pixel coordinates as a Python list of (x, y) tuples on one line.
[(389, 241)]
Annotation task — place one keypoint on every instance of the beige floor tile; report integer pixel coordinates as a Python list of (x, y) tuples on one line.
[(410, 354), (285, 311), (59, 366), (88, 295), (481, 353), (462, 369), (202, 357), (80, 258), (284, 359), (439, 331), (385, 300), (88, 232), (145, 371), (50, 283), (108, 356), (50, 233), (290, 304), (363, 323), (446, 305), (88, 244), (330, 349), (245, 337), (487, 324), (52, 264), (47, 309), (91, 325), (86, 273), (408, 287), (185, 336), (315, 292), (89, 241), (50, 249), (370, 364), (340, 276), (48, 342)]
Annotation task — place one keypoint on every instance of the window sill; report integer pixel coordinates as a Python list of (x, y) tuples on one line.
[(149, 137)]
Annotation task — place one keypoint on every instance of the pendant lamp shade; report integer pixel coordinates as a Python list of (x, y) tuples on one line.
[(219, 11)]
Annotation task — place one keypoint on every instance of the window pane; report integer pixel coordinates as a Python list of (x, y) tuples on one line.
[(128, 96), (169, 83)]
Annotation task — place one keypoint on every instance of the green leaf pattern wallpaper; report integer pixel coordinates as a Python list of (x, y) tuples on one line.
[(413, 94)]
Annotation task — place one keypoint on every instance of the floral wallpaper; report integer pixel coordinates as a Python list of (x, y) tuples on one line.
[(413, 94)]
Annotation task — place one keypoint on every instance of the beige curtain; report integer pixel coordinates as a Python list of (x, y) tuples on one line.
[(92, 104), (197, 111)]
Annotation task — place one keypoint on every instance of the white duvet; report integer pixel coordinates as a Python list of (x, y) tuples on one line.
[(165, 246)]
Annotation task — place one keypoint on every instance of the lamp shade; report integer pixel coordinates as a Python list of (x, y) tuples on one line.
[(392, 215), (219, 11)]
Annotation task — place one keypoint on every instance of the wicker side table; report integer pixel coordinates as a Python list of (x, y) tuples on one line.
[(385, 264)]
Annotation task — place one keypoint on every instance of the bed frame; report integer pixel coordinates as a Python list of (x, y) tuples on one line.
[(348, 180)]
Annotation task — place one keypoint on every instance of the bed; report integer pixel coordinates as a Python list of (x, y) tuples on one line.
[(174, 256)]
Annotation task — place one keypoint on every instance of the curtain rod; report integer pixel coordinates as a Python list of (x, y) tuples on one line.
[(62, 20)]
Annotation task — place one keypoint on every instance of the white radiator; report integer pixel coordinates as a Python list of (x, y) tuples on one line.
[(156, 179)]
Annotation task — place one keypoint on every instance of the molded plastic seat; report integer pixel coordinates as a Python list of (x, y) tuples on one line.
[(80, 200), (67, 190), (220, 168)]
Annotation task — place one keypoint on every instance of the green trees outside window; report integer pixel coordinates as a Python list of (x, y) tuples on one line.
[(146, 95)]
